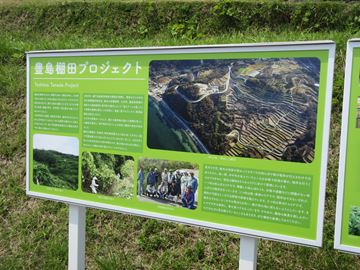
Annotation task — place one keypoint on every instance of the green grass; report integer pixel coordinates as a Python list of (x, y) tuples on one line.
[(33, 232)]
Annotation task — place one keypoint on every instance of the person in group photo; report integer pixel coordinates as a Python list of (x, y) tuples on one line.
[(169, 178), (163, 187), (141, 178), (173, 192), (177, 180), (188, 198), (157, 176), (151, 181), (165, 175), (185, 179), (194, 184)]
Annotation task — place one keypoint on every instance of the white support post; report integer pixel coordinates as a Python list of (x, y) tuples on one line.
[(77, 224), (248, 253)]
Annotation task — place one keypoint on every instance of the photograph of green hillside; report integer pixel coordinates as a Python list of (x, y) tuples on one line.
[(262, 108), (55, 161), (108, 174)]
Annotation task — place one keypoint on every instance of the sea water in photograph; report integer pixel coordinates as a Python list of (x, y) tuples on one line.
[(168, 182), (108, 174), (259, 108), (55, 161)]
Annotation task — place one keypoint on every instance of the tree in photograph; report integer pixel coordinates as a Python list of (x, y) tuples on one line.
[(88, 166), (354, 222), (112, 174), (42, 175)]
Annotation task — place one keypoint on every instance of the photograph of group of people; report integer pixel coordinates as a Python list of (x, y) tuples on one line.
[(168, 182)]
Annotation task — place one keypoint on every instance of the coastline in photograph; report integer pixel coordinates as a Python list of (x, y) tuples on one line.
[(55, 161), (168, 182), (258, 108), (354, 221), (108, 174)]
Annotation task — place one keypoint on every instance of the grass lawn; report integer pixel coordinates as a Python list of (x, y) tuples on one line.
[(33, 232)]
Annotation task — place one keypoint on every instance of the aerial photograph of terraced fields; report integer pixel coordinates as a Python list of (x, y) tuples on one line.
[(262, 108)]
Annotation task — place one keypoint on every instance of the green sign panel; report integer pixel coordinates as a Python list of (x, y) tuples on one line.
[(347, 228), (227, 137)]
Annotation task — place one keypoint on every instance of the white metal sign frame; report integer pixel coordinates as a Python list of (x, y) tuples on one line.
[(260, 47), (353, 43)]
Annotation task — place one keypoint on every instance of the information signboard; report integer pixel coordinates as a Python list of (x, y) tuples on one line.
[(231, 137), (347, 227)]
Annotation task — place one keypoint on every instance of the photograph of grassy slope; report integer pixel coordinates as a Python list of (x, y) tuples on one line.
[(55, 161)]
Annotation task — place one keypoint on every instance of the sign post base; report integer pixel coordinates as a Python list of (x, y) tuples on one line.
[(248, 253), (77, 222)]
